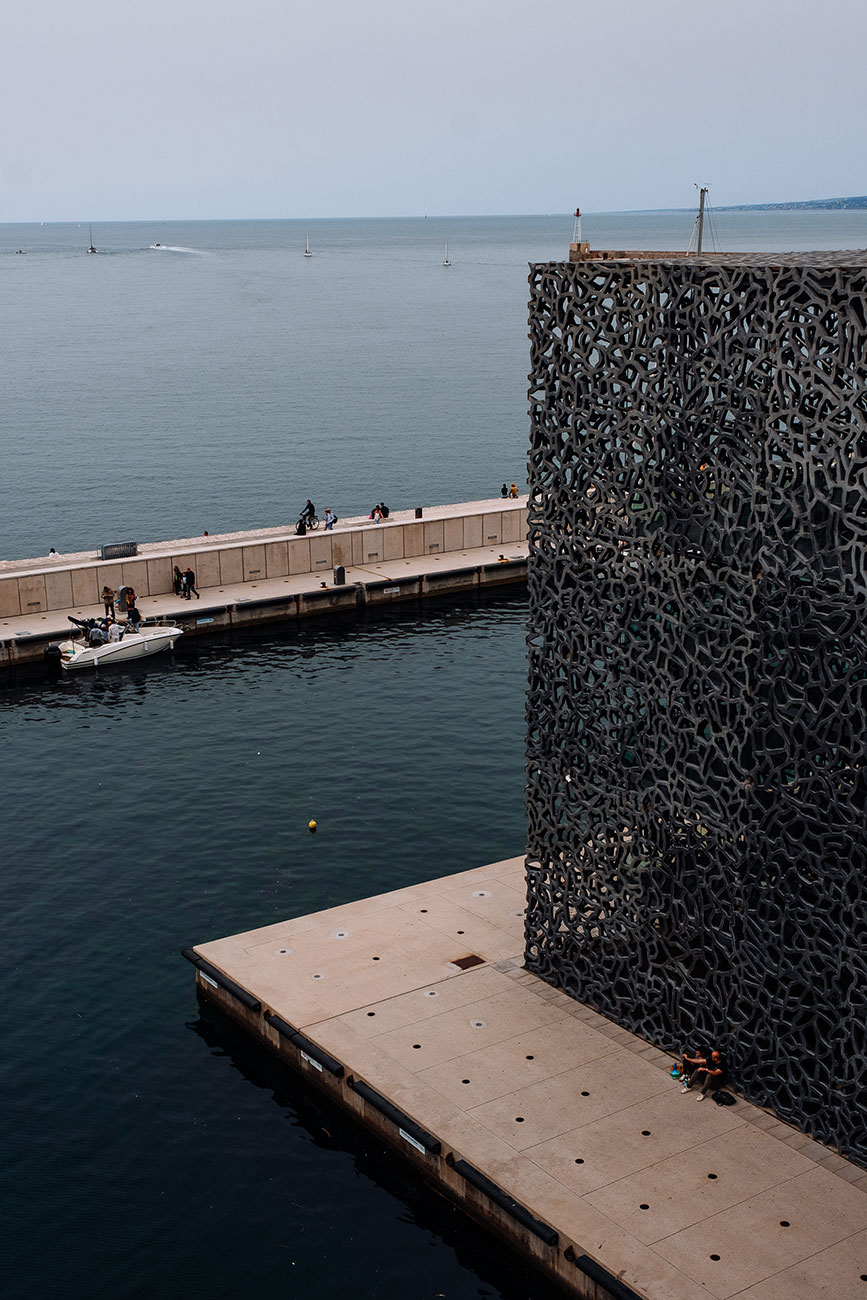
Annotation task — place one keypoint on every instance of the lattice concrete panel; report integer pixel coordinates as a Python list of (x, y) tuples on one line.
[(698, 667)]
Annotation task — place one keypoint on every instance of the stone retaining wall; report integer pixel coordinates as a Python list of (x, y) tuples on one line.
[(218, 565)]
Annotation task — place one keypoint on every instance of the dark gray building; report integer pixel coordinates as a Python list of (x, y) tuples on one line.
[(697, 710)]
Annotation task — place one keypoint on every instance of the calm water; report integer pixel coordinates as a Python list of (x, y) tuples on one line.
[(159, 806), (217, 382)]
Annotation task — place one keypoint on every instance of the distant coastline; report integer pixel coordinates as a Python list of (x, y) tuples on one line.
[(858, 202)]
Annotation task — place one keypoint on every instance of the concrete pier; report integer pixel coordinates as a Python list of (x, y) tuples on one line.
[(546, 1122), (246, 579)]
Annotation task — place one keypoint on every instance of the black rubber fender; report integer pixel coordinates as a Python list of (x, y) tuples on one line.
[(229, 986), (507, 1202), (616, 1289), (390, 1111)]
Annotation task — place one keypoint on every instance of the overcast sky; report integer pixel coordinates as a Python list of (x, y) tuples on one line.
[(269, 108)]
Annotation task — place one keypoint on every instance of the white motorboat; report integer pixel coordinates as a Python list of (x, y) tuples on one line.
[(149, 640)]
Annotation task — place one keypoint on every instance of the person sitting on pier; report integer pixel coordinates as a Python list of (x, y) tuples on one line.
[(513, 490), (688, 1067), (710, 1076), (504, 491), (383, 510), (376, 515)]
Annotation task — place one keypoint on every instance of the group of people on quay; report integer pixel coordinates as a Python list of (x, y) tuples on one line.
[(509, 491), (184, 584), (103, 630), (704, 1071), (309, 518), (126, 598)]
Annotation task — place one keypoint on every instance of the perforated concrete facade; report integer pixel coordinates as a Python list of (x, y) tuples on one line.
[(698, 667)]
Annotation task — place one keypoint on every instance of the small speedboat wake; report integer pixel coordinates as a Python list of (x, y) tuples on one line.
[(102, 642)]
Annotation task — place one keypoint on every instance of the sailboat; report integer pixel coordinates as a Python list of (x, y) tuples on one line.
[(91, 248), (307, 252), (446, 261)]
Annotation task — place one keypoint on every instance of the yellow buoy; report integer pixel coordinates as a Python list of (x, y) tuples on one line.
[(311, 826)]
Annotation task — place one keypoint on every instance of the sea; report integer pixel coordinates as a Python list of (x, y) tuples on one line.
[(206, 375)]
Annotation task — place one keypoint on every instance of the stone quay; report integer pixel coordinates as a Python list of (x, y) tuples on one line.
[(268, 575), (548, 1123)]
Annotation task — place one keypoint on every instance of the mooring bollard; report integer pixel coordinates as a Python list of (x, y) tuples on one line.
[(418, 512)]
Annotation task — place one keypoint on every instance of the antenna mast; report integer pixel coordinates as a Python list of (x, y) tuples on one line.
[(701, 198)]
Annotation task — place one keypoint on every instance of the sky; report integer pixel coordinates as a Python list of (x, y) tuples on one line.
[(196, 109)]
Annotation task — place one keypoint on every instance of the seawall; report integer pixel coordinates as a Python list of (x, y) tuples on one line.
[(270, 574)]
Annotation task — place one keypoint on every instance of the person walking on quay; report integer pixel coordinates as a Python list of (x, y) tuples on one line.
[(330, 518), (177, 581), (108, 601), (190, 584)]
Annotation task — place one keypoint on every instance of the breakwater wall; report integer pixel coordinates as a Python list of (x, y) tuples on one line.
[(250, 579), (69, 583)]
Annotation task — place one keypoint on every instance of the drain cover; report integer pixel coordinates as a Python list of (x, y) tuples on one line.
[(464, 963)]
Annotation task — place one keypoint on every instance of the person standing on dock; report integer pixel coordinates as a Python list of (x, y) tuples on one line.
[(108, 601), (177, 580)]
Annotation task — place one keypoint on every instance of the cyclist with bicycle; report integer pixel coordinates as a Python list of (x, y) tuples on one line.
[(308, 518)]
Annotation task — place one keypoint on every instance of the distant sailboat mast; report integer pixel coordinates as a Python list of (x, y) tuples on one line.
[(446, 261), (91, 248), (307, 252)]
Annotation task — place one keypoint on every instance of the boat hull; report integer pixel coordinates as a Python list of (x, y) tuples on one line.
[(75, 656)]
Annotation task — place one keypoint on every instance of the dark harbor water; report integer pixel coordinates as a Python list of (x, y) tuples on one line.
[(149, 808)]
